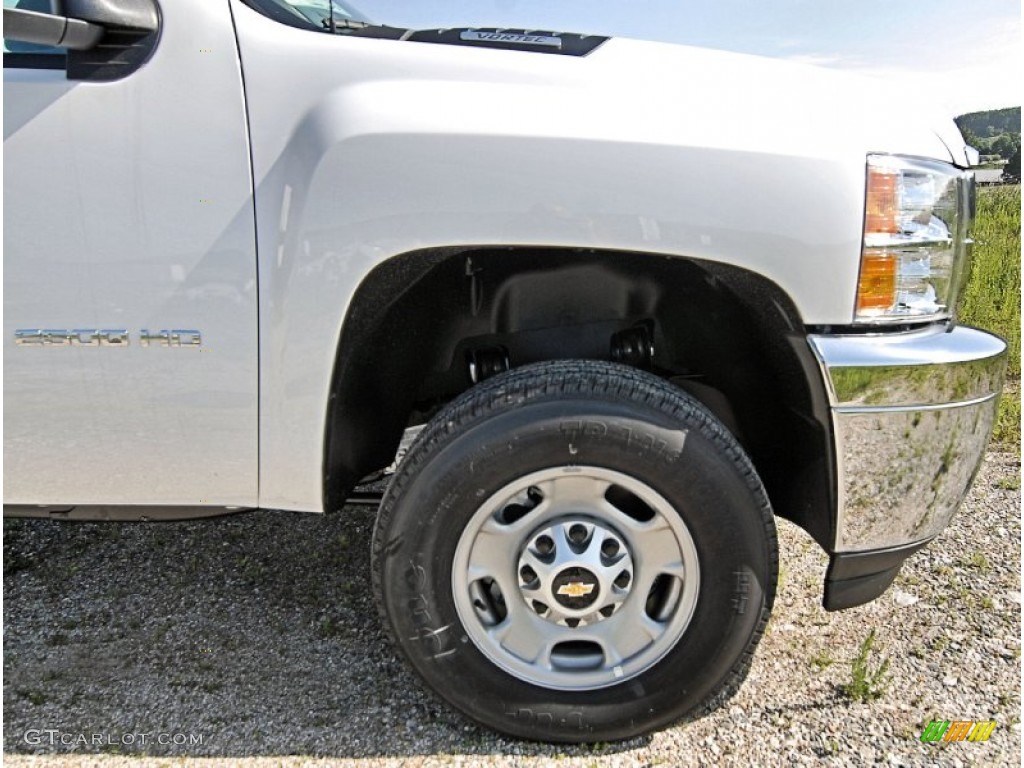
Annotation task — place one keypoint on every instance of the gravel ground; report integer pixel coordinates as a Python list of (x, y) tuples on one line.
[(256, 635)]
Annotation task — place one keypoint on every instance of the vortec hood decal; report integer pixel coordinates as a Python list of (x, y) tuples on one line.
[(476, 35), (514, 39)]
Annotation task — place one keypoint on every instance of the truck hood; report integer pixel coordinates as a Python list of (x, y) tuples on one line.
[(602, 89), (714, 97), (723, 98)]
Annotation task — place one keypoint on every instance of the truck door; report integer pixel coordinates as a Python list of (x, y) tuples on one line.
[(130, 355)]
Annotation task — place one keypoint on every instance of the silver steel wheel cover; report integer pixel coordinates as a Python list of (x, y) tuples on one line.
[(594, 633)]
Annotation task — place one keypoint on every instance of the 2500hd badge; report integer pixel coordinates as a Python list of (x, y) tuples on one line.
[(87, 337)]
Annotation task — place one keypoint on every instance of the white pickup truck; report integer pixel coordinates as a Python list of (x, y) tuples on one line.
[(619, 304)]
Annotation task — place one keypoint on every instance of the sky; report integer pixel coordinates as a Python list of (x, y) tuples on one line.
[(965, 55)]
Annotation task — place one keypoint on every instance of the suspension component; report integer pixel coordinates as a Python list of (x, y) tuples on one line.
[(484, 363), (634, 346)]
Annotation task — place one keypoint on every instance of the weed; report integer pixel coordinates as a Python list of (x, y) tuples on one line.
[(328, 627), (822, 660), (71, 571), (978, 562), (867, 681), (35, 698), (1011, 483), (251, 569), (960, 591)]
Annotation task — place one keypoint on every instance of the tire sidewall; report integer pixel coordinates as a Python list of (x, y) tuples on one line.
[(685, 459)]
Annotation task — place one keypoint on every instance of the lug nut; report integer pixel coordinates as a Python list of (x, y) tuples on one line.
[(545, 545), (610, 548), (622, 580), (527, 574), (539, 607), (577, 534)]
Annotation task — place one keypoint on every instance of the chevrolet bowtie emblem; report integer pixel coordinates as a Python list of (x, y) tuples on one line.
[(576, 589)]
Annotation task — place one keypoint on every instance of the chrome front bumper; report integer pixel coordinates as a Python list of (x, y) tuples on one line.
[(912, 414)]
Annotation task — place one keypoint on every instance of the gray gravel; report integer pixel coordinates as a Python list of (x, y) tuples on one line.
[(256, 634)]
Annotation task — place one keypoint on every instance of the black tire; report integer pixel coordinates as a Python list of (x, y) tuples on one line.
[(587, 414)]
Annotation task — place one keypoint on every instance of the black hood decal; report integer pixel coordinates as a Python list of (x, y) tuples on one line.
[(533, 40)]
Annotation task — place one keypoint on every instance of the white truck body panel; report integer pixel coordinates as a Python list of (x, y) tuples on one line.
[(128, 205), (364, 149)]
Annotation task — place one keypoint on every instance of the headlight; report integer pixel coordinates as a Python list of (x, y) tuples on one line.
[(915, 255)]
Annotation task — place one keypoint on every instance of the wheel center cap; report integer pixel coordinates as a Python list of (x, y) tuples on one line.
[(576, 588)]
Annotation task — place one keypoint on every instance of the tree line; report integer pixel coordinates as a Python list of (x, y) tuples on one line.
[(994, 132)]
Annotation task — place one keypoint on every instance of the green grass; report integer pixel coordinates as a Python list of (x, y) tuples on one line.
[(822, 660), (992, 299), (1006, 434), (868, 679)]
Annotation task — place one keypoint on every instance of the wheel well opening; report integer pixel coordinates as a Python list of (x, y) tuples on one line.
[(424, 326)]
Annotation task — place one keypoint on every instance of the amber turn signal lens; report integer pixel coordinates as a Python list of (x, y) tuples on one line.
[(877, 287), (881, 212)]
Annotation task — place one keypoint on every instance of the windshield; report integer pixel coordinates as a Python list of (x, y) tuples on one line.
[(419, 15), (341, 18), (319, 11), (315, 13)]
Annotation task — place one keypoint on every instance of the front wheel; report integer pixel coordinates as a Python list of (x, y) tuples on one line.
[(576, 551)]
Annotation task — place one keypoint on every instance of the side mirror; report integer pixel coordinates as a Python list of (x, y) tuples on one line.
[(50, 29), (105, 39)]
